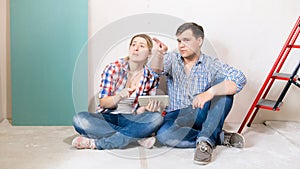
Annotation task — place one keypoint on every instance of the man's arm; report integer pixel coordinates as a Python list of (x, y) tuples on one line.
[(233, 83), (157, 60), (227, 87)]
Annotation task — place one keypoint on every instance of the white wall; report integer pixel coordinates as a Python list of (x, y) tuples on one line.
[(247, 34)]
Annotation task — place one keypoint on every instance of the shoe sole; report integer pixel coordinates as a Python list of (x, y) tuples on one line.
[(201, 162)]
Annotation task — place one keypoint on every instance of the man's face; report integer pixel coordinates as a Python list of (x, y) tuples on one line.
[(188, 45)]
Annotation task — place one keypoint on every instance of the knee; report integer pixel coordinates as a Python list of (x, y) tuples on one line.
[(225, 101), (154, 118), (77, 118), (158, 119), (77, 121), (227, 98), (156, 122)]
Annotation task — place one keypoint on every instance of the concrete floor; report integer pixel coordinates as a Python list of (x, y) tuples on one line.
[(271, 146)]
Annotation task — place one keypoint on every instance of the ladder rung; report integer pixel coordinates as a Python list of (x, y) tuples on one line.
[(290, 78), (281, 76), (268, 104), (293, 46)]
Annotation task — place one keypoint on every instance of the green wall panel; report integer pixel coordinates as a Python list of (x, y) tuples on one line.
[(46, 39)]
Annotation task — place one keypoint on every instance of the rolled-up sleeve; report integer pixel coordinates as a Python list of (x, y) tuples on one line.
[(226, 72), (238, 77)]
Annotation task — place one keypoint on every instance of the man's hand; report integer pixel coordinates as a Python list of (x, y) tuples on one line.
[(160, 46), (202, 98), (158, 51)]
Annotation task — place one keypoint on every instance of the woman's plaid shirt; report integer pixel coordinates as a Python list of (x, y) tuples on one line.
[(114, 77)]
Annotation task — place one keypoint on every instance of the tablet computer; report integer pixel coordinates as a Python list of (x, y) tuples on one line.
[(164, 100)]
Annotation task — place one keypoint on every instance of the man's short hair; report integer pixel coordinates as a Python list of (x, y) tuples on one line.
[(195, 28)]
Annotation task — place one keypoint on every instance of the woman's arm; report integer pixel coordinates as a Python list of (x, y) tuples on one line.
[(112, 101)]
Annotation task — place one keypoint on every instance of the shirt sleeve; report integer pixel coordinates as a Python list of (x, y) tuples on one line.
[(167, 65), (152, 82), (168, 62), (107, 83), (155, 84), (223, 70)]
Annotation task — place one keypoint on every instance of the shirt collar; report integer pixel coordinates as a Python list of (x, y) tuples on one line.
[(125, 66), (200, 60)]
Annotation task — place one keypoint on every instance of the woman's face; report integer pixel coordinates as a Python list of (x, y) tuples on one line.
[(138, 50)]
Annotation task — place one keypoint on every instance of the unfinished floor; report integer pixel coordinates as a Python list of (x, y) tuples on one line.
[(274, 145)]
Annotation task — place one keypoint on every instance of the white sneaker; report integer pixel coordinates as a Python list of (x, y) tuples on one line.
[(81, 142), (147, 142)]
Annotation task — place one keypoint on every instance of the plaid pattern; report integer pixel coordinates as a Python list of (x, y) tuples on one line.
[(114, 77), (182, 88)]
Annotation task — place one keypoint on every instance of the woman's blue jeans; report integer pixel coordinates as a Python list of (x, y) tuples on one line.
[(186, 127), (116, 130)]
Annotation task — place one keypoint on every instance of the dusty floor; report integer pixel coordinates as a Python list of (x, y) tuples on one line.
[(271, 146)]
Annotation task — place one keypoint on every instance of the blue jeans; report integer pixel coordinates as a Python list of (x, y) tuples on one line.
[(116, 130), (186, 127)]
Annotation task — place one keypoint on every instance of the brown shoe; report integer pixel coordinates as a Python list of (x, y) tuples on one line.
[(233, 139), (203, 153)]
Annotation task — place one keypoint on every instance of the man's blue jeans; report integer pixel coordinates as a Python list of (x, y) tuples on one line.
[(116, 130), (186, 127)]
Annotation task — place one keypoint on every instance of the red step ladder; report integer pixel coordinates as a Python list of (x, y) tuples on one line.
[(260, 101)]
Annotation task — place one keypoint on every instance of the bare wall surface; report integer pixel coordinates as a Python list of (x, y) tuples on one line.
[(3, 59), (246, 34)]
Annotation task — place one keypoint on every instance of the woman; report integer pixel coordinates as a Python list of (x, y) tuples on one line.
[(121, 120)]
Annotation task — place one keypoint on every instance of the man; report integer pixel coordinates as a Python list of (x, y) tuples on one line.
[(201, 90)]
